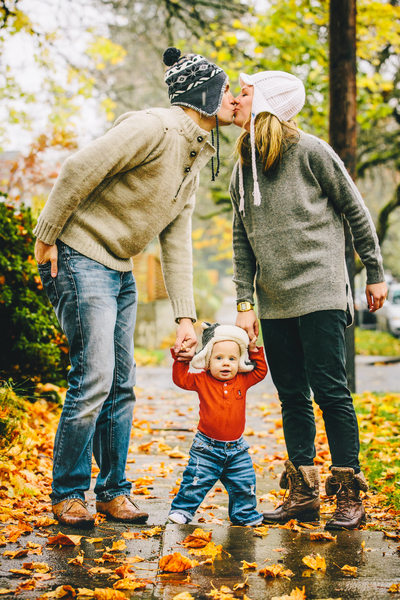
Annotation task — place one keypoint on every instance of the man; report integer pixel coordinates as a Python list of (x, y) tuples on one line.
[(110, 200)]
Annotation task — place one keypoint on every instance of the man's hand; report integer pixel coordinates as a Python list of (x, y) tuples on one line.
[(248, 321), (45, 253), (376, 294), (186, 341)]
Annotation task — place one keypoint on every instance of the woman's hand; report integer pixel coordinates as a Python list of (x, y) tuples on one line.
[(46, 253), (248, 321), (186, 341)]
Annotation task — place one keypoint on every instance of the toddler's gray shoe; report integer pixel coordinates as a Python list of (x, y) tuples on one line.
[(178, 518)]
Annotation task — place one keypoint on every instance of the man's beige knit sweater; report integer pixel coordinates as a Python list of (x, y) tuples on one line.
[(125, 188)]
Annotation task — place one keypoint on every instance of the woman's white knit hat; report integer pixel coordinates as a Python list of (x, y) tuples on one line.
[(278, 93), (222, 333)]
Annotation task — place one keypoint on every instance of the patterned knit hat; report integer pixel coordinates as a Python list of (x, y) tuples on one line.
[(193, 81), (222, 333), (275, 92)]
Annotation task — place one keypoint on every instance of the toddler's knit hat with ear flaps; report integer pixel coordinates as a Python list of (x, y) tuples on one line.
[(222, 333), (278, 93), (197, 83)]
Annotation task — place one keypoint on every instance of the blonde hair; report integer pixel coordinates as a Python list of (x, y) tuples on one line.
[(272, 137)]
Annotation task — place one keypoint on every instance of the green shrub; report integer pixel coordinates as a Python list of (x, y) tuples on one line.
[(32, 346)]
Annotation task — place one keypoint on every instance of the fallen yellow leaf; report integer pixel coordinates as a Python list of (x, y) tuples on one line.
[(315, 562), (176, 563)]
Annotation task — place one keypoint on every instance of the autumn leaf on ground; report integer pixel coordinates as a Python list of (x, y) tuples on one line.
[(275, 571), (109, 594), (13, 532), (176, 563), (61, 539), (319, 536), (5, 592), (183, 596), (151, 532), (117, 546), (292, 524), (394, 588), (134, 559), (209, 550), (348, 570), (176, 453), (296, 594), (247, 565), (392, 536), (99, 571), (3, 541), (261, 531), (198, 539), (131, 584), (15, 553), (77, 560), (315, 562), (39, 567), (44, 521), (94, 540), (62, 591), (241, 586), (224, 593)]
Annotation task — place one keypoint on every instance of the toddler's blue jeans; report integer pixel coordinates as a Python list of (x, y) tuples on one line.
[(96, 307), (212, 460)]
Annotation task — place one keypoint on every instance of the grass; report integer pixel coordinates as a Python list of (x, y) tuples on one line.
[(376, 343), (380, 443)]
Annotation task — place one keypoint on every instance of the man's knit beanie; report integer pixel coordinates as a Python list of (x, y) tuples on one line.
[(194, 82), (222, 333), (197, 83), (275, 92)]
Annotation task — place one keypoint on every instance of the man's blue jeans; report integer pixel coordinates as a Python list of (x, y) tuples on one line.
[(96, 308), (211, 460), (309, 353)]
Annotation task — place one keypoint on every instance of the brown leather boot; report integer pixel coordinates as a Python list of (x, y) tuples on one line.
[(122, 508), (73, 512), (349, 513), (302, 502)]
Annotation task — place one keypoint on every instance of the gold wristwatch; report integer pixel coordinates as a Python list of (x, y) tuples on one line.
[(244, 306)]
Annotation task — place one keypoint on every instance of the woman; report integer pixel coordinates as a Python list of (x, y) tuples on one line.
[(290, 193)]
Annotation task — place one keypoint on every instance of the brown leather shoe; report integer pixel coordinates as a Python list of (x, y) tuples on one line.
[(302, 501), (122, 508), (346, 485), (73, 512)]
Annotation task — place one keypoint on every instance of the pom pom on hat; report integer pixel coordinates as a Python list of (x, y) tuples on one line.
[(194, 81), (171, 56), (222, 333)]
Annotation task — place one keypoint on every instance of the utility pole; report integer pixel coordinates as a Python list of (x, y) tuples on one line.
[(342, 121)]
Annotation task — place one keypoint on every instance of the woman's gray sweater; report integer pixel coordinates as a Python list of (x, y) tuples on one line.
[(292, 246)]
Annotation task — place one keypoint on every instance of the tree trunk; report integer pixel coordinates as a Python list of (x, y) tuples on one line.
[(342, 120)]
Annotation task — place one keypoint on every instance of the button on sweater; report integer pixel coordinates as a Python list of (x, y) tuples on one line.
[(292, 246), (222, 403), (129, 186)]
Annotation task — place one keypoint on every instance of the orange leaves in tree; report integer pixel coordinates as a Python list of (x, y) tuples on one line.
[(176, 563)]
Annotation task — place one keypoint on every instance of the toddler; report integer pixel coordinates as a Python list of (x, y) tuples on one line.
[(219, 451)]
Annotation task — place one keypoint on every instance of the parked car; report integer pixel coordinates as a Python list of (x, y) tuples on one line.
[(362, 317), (388, 317)]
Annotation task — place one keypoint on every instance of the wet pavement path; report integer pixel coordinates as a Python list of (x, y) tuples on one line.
[(165, 419)]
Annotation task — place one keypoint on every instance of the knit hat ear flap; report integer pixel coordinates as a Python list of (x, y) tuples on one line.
[(222, 333)]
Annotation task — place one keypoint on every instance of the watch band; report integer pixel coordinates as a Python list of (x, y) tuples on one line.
[(244, 306)]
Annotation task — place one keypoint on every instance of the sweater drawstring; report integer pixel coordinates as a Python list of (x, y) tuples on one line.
[(241, 187), (256, 189), (216, 173)]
